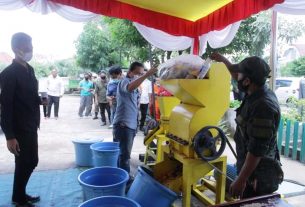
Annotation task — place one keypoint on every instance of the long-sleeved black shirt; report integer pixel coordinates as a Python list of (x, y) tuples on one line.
[(19, 100)]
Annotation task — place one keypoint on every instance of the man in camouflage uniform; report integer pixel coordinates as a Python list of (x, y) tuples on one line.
[(258, 163)]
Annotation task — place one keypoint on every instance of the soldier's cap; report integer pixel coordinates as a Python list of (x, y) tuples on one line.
[(255, 68)]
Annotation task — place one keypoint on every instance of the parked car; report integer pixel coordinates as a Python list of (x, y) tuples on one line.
[(287, 87)]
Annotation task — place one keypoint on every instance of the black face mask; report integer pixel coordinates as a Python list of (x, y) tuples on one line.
[(86, 78), (241, 86), (103, 77)]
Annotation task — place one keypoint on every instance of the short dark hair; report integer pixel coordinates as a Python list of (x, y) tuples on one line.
[(19, 38), (115, 70), (135, 65)]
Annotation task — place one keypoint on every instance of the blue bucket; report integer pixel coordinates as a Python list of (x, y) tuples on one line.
[(83, 154), (103, 181), (110, 201), (105, 154), (148, 192)]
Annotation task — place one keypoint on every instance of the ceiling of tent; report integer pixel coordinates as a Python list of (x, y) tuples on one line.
[(190, 18), (191, 9)]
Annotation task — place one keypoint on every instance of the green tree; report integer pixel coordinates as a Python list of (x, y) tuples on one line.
[(68, 68), (94, 49), (294, 68), (254, 35)]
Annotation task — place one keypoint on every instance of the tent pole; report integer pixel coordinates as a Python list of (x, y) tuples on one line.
[(273, 55)]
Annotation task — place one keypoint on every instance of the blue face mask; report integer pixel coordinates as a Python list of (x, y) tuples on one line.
[(115, 80)]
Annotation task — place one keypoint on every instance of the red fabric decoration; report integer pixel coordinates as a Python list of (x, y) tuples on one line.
[(228, 14)]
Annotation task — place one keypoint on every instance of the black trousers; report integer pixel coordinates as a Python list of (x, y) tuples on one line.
[(53, 100), (45, 110), (25, 163), (143, 109), (105, 107)]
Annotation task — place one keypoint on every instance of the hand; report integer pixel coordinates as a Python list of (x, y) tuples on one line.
[(217, 57), (152, 71), (13, 146), (237, 188)]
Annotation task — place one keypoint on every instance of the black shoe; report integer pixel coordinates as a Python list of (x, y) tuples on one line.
[(32, 199), (29, 199), (26, 204), (142, 129), (103, 124), (94, 118)]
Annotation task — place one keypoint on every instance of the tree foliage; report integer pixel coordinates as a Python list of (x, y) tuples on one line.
[(94, 49), (294, 68)]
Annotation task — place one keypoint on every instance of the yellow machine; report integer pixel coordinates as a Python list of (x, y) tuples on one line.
[(186, 145)]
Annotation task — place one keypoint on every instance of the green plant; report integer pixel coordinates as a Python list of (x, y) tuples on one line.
[(235, 104)]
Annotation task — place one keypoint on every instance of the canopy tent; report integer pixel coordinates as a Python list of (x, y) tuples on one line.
[(169, 25)]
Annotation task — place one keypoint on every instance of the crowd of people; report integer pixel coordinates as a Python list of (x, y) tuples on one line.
[(98, 95)]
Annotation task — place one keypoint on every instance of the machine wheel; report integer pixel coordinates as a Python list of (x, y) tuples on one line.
[(209, 143)]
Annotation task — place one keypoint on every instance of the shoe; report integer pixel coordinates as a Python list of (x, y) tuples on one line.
[(142, 129), (94, 118), (29, 199), (33, 199), (110, 126), (26, 204), (103, 124)]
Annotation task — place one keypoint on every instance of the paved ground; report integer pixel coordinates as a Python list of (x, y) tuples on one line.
[(56, 149)]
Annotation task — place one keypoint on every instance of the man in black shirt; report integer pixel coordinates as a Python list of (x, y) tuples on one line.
[(258, 162), (20, 116)]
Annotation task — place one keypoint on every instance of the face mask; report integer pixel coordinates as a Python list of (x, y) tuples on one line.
[(103, 77), (86, 78), (241, 86), (26, 57)]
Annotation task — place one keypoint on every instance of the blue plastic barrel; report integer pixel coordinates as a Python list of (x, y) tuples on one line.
[(83, 154), (103, 181), (110, 201), (148, 192), (105, 154)]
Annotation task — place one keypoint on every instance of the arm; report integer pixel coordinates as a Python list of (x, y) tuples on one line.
[(8, 87), (136, 83), (220, 58)]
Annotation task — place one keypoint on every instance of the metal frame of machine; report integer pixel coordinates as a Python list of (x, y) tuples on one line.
[(197, 104)]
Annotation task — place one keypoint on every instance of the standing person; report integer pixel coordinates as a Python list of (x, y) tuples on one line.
[(101, 98), (146, 91), (258, 160), (125, 118), (56, 90), (43, 92), (115, 73), (95, 102), (86, 87), (20, 116)]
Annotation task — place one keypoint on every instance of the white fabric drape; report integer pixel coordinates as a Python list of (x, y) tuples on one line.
[(217, 39), (164, 40), (295, 7), (169, 42), (46, 7), (13, 4)]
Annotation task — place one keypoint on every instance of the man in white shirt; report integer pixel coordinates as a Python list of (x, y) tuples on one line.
[(55, 92), (145, 90)]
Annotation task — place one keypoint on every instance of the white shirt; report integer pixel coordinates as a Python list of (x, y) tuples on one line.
[(145, 89), (55, 86)]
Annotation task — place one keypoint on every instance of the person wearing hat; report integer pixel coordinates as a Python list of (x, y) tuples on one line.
[(258, 161)]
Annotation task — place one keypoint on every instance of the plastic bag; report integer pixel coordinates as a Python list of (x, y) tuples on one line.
[(183, 67)]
